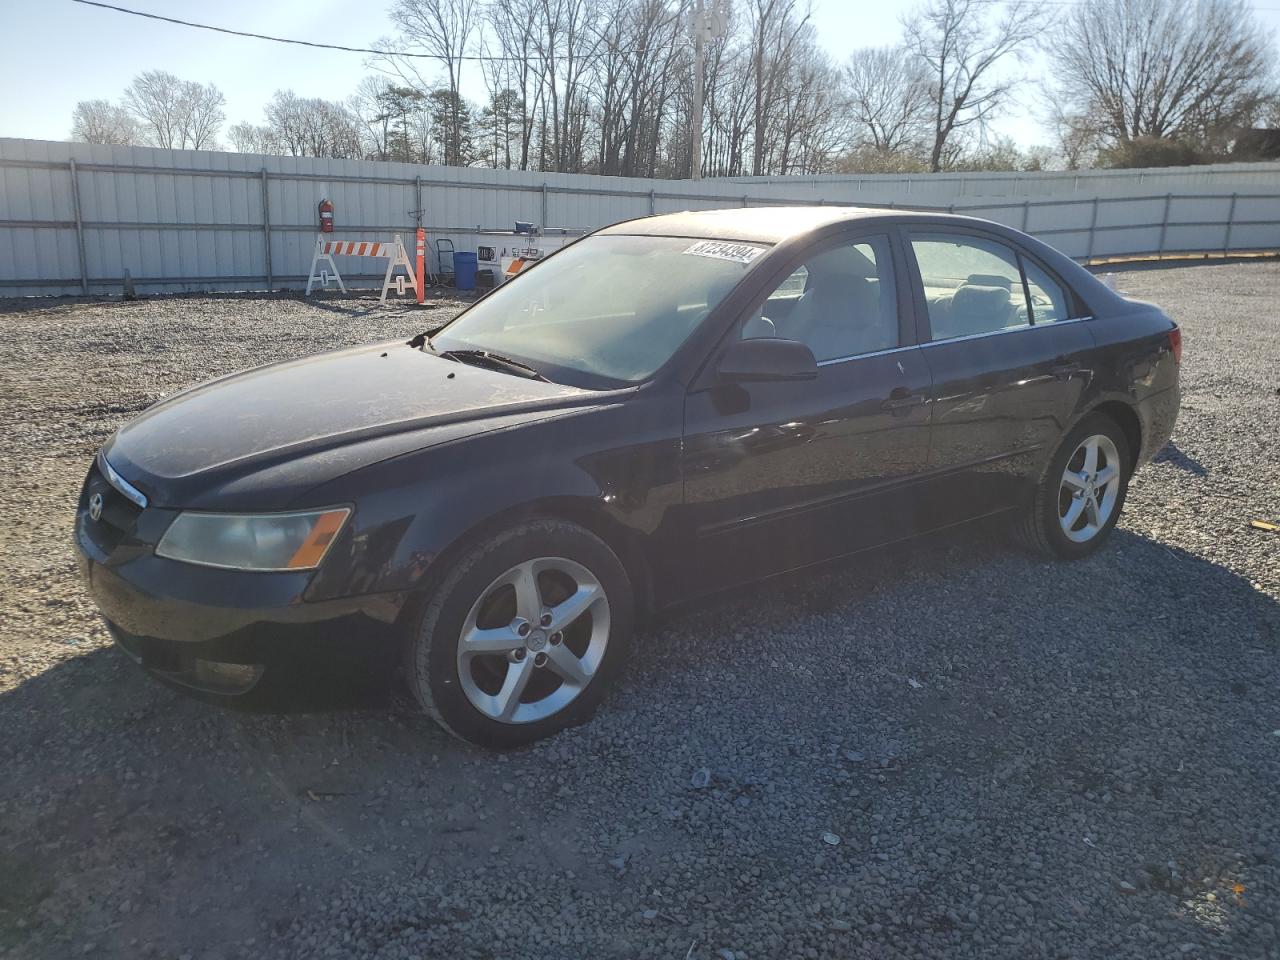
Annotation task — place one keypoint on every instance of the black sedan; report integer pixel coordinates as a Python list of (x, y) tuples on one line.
[(668, 407)]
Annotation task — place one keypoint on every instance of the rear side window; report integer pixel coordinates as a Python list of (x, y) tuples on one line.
[(1048, 300), (972, 286)]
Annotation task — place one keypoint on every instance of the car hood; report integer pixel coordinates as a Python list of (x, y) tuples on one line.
[(260, 439)]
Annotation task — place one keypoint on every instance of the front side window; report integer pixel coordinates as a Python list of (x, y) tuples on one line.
[(971, 285), (606, 310), (840, 303)]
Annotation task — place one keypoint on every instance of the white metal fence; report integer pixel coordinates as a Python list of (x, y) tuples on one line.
[(75, 217)]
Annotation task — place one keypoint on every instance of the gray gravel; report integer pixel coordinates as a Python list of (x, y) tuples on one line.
[(1014, 758)]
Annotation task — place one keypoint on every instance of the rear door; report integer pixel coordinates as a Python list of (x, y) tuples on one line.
[(781, 474), (1009, 363)]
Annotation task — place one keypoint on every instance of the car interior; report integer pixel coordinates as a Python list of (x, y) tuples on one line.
[(836, 304), (839, 305), (981, 303)]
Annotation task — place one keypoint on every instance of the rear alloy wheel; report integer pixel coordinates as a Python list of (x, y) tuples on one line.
[(1082, 491), (524, 636), (1090, 488)]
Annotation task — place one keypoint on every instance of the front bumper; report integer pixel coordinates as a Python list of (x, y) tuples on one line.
[(228, 633)]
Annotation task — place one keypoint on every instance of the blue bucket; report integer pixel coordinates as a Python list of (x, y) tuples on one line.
[(464, 270)]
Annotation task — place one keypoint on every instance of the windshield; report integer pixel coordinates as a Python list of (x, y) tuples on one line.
[(612, 307)]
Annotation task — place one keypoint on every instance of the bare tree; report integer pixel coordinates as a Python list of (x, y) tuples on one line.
[(641, 68), (566, 41), (513, 31), (155, 99), (963, 46), (729, 89), (201, 116), (1164, 69), (776, 27), (442, 29), (175, 114), (312, 127), (889, 99), (366, 104), (97, 121), (814, 126), (254, 138), (1077, 137)]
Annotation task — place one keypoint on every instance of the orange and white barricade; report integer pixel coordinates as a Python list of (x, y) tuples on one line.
[(394, 253)]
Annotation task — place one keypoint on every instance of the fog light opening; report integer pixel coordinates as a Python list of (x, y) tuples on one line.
[(218, 675)]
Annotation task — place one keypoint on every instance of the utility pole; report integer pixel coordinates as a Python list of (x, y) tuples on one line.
[(710, 21), (699, 33)]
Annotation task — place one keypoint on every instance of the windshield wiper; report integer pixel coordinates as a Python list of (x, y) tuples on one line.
[(495, 361)]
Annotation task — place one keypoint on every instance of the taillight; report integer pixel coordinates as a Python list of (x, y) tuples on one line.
[(1175, 344)]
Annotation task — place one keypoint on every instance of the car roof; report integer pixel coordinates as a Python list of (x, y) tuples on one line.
[(762, 224)]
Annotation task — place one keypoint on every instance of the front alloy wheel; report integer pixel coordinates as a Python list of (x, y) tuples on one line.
[(524, 635), (533, 640)]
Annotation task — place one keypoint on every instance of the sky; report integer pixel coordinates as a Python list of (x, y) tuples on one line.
[(57, 52)]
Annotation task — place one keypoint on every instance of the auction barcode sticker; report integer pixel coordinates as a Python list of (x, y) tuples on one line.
[(719, 250)]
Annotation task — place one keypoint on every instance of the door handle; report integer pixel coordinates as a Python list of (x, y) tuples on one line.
[(1063, 369), (899, 401)]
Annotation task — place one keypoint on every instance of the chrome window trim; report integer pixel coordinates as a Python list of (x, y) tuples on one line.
[(997, 333), (120, 483), (972, 336), (861, 356)]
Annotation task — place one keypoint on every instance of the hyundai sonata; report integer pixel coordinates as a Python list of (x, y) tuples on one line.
[(665, 408)]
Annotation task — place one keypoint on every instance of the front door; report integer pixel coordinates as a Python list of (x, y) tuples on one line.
[(1008, 369), (781, 474)]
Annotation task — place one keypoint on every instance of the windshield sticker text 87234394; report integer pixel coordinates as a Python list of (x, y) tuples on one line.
[(720, 250)]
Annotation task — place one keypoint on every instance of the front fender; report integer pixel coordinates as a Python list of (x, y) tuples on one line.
[(620, 461)]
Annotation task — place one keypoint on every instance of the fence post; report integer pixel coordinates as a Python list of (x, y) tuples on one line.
[(652, 204), (1093, 226), (1231, 215), (1164, 223), (544, 204), (266, 228), (75, 204)]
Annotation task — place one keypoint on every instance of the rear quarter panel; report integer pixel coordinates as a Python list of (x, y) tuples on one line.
[(1135, 366), (1132, 361)]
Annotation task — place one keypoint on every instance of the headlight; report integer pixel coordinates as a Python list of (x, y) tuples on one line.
[(253, 541)]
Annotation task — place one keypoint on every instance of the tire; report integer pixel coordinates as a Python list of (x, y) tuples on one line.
[(1043, 525), (512, 682)]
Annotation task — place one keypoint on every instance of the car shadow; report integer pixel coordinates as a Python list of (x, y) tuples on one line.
[(1172, 455), (210, 825)]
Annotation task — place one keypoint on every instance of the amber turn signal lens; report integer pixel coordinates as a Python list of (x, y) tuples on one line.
[(317, 543)]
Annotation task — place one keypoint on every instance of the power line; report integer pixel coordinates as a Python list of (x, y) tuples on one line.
[(300, 43), (483, 58)]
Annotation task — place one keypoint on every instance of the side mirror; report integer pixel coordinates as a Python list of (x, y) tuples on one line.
[(768, 358)]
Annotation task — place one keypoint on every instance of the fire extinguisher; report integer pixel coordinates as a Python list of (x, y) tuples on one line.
[(326, 216)]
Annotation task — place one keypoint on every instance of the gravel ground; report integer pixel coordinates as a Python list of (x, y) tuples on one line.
[(950, 751)]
